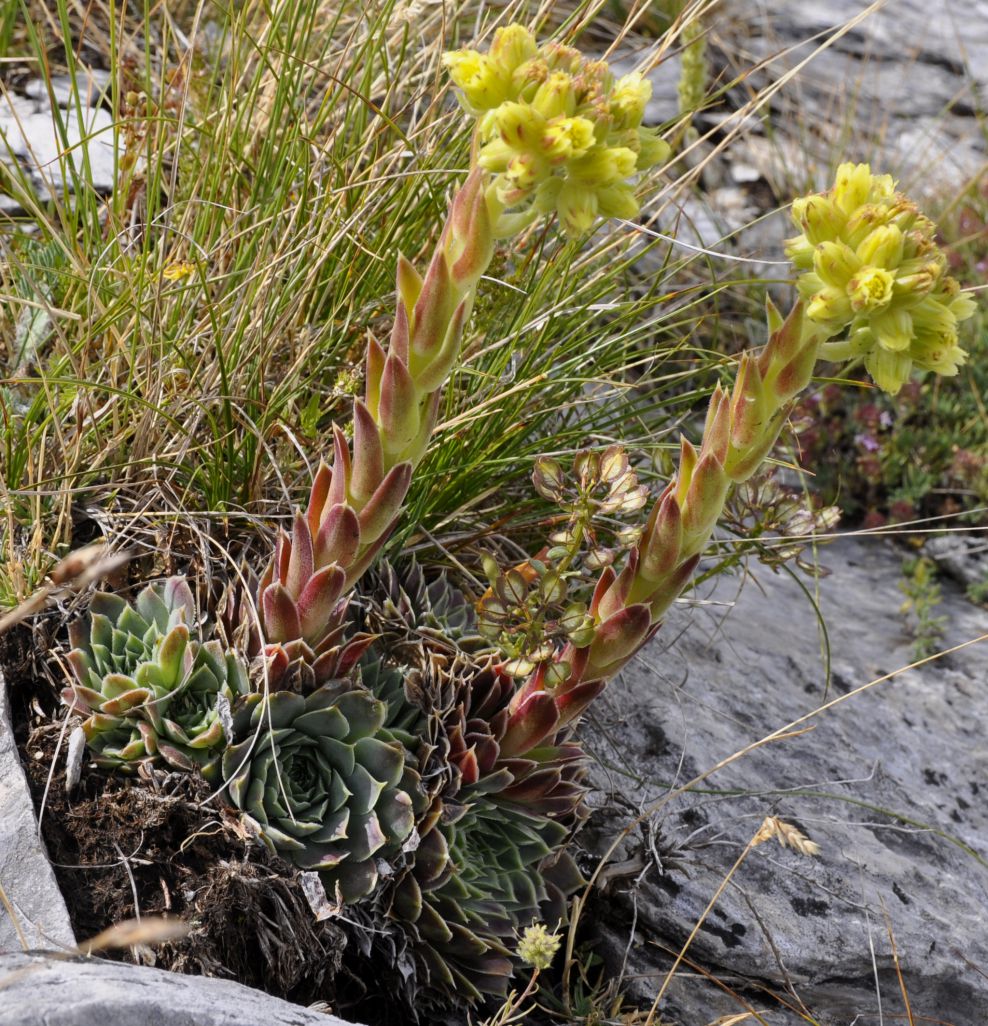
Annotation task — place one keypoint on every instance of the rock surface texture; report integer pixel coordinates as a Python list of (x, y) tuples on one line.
[(84, 992), (891, 783), (41, 919), (902, 86), (52, 137)]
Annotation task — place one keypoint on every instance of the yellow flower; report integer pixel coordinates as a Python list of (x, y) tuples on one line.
[(178, 270), (512, 46), (479, 79), (870, 289), (629, 99), (556, 96), (567, 138)]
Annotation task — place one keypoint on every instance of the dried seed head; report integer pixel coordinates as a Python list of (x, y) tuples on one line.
[(537, 947), (786, 834)]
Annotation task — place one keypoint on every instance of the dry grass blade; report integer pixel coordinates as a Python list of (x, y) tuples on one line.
[(147, 930), (11, 912), (74, 573), (898, 967)]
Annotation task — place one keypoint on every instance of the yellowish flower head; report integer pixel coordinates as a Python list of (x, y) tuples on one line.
[(556, 130), (873, 273), (537, 946)]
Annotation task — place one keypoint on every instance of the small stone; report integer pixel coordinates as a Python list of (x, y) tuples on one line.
[(33, 140), (744, 173)]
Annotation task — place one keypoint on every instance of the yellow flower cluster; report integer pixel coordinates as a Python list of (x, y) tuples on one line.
[(557, 131), (873, 269)]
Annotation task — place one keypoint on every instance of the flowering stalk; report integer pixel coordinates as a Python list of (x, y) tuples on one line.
[(555, 134), (354, 504), (878, 291)]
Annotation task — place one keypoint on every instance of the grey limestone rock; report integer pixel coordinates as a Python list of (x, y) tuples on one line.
[(38, 990), (890, 782), (31, 140), (42, 920), (964, 557), (909, 78)]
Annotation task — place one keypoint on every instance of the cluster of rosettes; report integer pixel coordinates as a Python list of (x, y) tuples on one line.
[(873, 269), (556, 129)]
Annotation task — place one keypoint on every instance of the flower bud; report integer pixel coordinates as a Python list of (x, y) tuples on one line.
[(495, 156), (882, 247), (938, 351), (521, 177), (819, 219), (512, 46), (893, 329), (520, 126), (829, 306), (651, 149), (911, 288), (889, 370), (577, 207), (866, 220), (835, 263), (852, 187), (556, 97), (481, 85), (629, 99), (617, 200)]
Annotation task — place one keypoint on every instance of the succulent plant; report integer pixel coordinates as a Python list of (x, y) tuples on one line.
[(148, 690), (355, 503), (327, 786), (878, 276), (541, 145), (490, 826), (408, 607), (474, 883)]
